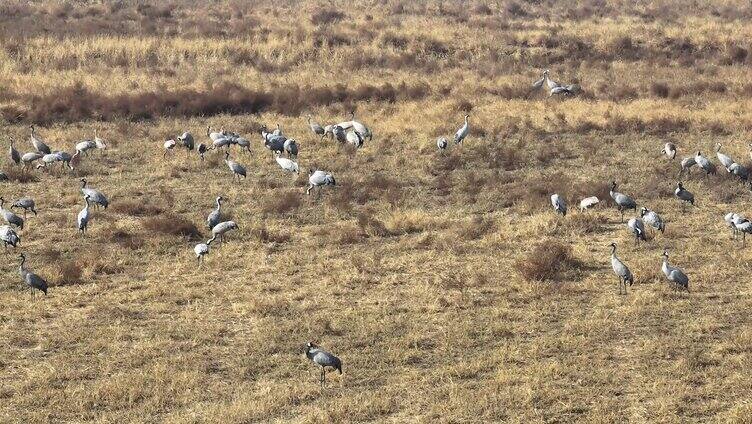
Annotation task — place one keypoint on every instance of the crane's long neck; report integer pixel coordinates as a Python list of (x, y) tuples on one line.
[(21, 267), (214, 237), (613, 251), (219, 203)]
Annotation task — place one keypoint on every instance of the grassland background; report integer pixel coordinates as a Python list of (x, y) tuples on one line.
[(410, 268)]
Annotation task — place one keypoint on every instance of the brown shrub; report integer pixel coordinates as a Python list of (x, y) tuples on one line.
[(68, 272), (126, 239), (19, 175), (475, 229), (265, 236), (172, 225), (482, 9), (136, 208), (370, 225), (549, 261), (660, 89), (326, 16), (281, 204)]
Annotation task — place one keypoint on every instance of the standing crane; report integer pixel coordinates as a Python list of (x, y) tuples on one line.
[(621, 271)]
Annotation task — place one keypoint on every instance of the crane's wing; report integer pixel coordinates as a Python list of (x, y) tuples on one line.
[(537, 84)]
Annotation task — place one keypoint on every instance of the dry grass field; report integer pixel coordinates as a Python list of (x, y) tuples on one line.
[(445, 282)]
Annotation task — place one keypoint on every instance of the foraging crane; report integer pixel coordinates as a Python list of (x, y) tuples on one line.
[(705, 164), (669, 150), (461, 133), (537, 85), (101, 144), (38, 143), (652, 219), (29, 158), (730, 220), (47, 160), (359, 128), (328, 131), (339, 133), (201, 250), (33, 281), (215, 217), (316, 128), (9, 216), (237, 169), (319, 179), (287, 164), (83, 217), (220, 229), (85, 146), (740, 171), (202, 150), (213, 136), (442, 144), (186, 140), (95, 196), (623, 202), (637, 228), (554, 87), (742, 225), (588, 203), (243, 143), (323, 359), (9, 237), (65, 158), (621, 270), (559, 204), (354, 138), (26, 203), (168, 146), (567, 90), (674, 275), (684, 195), (291, 147), (723, 159), (686, 165), (13, 154)]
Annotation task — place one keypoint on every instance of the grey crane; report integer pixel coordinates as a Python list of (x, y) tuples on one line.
[(25, 203), (13, 154), (319, 178), (723, 159), (559, 204), (361, 129), (567, 90), (85, 145), (537, 85), (215, 217), (588, 203), (669, 150), (674, 275), (100, 143), (220, 229), (291, 147), (705, 164), (653, 219), (29, 158), (213, 136), (9, 216), (442, 144), (186, 140), (95, 196), (66, 159), (9, 236), (83, 217), (354, 138), (730, 220), (339, 133), (237, 169), (201, 250), (323, 359), (243, 143), (287, 164), (48, 160), (278, 130), (637, 228), (740, 171), (623, 202), (462, 133), (202, 150), (38, 143), (621, 270), (33, 281), (168, 146), (328, 131), (686, 165), (744, 226), (684, 195), (316, 128)]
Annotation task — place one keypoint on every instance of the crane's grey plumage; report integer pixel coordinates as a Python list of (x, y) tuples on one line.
[(186, 140), (215, 217), (588, 203), (95, 196), (29, 158), (26, 203), (316, 128), (705, 164), (726, 161), (730, 220), (319, 178), (213, 136), (339, 133), (559, 204), (32, 281), (686, 165), (621, 270), (669, 150), (13, 154), (360, 128), (637, 228), (567, 90), (354, 138), (47, 160), (85, 145), (323, 359), (201, 250), (442, 143), (278, 130), (9, 216), (537, 85), (220, 229), (237, 169), (100, 143), (66, 159), (652, 219), (462, 133), (291, 147), (202, 150), (740, 171), (623, 202), (39, 144), (684, 195), (287, 164), (9, 236), (674, 275), (84, 216), (243, 143), (744, 226), (168, 146)]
